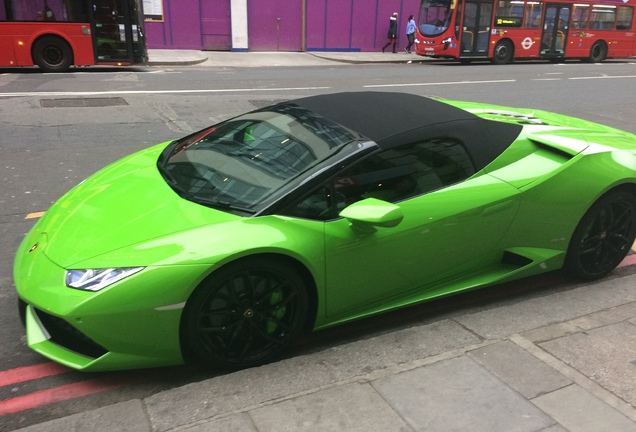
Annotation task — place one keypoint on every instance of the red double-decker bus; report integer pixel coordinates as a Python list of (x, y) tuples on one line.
[(504, 30), (58, 34)]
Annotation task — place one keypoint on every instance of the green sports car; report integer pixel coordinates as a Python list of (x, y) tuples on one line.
[(223, 246)]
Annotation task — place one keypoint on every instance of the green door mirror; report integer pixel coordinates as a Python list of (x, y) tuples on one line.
[(369, 213)]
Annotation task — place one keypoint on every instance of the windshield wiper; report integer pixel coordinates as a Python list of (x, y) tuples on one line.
[(220, 204)]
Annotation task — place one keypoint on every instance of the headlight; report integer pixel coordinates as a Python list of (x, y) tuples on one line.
[(96, 279)]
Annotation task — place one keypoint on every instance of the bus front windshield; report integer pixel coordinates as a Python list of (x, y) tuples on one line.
[(435, 17)]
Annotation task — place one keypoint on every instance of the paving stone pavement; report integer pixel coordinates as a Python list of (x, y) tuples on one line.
[(564, 361)]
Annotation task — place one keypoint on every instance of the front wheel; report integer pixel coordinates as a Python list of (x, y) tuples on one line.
[(245, 314), (52, 54), (503, 53), (603, 237)]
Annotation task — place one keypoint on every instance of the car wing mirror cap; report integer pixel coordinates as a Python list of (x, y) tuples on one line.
[(369, 213)]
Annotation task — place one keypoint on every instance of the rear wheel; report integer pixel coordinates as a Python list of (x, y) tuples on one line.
[(52, 54), (603, 237), (245, 314), (503, 53), (598, 52)]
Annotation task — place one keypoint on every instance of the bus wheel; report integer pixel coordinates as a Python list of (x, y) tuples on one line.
[(52, 54), (503, 53), (598, 52)]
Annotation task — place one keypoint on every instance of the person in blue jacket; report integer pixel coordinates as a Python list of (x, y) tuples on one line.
[(392, 33), (410, 34)]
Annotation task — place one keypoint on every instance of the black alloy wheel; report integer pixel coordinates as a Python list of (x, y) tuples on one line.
[(603, 237), (245, 314)]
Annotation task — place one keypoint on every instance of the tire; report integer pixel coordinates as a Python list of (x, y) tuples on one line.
[(598, 52), (245, 314), (503, 53), (52, 54), (603, 237)]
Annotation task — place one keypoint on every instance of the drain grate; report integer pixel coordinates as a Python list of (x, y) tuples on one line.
[(82, 102)]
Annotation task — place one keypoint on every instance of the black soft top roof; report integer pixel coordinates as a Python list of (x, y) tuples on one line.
[(392, 119)]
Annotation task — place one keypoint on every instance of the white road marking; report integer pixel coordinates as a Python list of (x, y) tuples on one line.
[(438, 83), (150, 92)]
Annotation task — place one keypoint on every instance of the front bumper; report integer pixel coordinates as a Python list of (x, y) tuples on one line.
[(133, 323)]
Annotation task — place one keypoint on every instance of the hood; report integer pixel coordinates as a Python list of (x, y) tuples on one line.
[(124, 204)]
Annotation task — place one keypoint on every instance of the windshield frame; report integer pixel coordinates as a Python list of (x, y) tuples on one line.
[(435, 17), (265, 171)]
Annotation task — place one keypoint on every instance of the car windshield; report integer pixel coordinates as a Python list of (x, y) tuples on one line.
[(246, 161)]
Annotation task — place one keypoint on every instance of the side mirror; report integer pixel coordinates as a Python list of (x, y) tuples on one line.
[(369, 213)]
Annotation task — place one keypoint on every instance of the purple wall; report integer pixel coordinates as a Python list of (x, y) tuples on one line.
[(331, 25), (354, 25), (275, 25), (181, 26), (216, 27)]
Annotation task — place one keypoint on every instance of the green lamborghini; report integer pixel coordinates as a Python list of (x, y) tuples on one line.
[(221, 247)]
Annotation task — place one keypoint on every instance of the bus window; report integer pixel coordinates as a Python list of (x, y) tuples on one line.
[(44, 10), (509, 13), (533, 15), (434, 17), (603, 17), (580, 14), (625, 15)]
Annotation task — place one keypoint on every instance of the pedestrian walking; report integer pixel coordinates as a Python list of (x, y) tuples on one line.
[(410, 34), (392, 33)]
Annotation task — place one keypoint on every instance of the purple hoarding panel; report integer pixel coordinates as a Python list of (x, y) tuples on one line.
[(339, 19), (155, 35), (275, 25), (216, 26), (316, 26), (185, 24), (365, 34)]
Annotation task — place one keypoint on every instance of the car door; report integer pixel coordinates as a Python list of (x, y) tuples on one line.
[(452, 224)]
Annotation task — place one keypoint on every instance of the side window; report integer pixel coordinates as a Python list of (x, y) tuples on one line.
[(392, 175), (603, 17), (533, 15), (509, 13), (580, 13), (625, 15)]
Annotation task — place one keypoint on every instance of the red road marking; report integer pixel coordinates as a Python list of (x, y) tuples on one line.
[(28, 373), (57, 394), (629, 260), (84, 388)]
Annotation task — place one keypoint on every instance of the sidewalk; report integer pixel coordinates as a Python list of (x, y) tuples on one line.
[(553, 361), (159, 57)]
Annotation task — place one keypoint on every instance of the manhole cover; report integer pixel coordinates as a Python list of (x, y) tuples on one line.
[(82, 102)]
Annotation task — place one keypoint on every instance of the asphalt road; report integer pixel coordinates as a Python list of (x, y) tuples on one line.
[(57, 129)]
